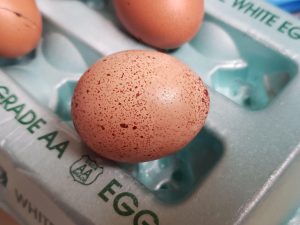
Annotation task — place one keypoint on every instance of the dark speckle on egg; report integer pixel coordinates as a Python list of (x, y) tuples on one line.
[(141, 105)]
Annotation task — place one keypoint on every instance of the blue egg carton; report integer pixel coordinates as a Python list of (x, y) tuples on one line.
[(288, 5), (240, 169)]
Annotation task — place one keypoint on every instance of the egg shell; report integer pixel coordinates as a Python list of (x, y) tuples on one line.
[(163, 24), (136, 106), (20, 27)]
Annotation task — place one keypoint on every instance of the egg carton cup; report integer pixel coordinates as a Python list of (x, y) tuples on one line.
[(240, 169)]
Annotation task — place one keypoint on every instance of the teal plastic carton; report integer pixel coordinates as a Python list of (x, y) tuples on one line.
[(240, 169)]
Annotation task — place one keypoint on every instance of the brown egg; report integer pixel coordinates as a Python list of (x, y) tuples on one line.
[(163, 24), (20, 27), (6, 219), (136, 106)]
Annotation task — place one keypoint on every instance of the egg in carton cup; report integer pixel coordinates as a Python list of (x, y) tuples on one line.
[(236, 169)]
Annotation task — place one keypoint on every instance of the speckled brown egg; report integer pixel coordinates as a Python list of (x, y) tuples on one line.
[(20, 27), (136, 106), (163, 24)]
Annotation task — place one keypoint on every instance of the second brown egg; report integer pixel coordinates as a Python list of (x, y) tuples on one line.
[(20, 27), (162, 24)]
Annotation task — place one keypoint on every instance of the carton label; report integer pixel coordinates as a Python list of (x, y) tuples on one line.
[(3, 177), (31, 209), (31, 121), (85, 171), (266, 17), (127, 204)]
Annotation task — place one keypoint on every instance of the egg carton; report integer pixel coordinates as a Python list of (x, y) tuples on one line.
[(240, 169)]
